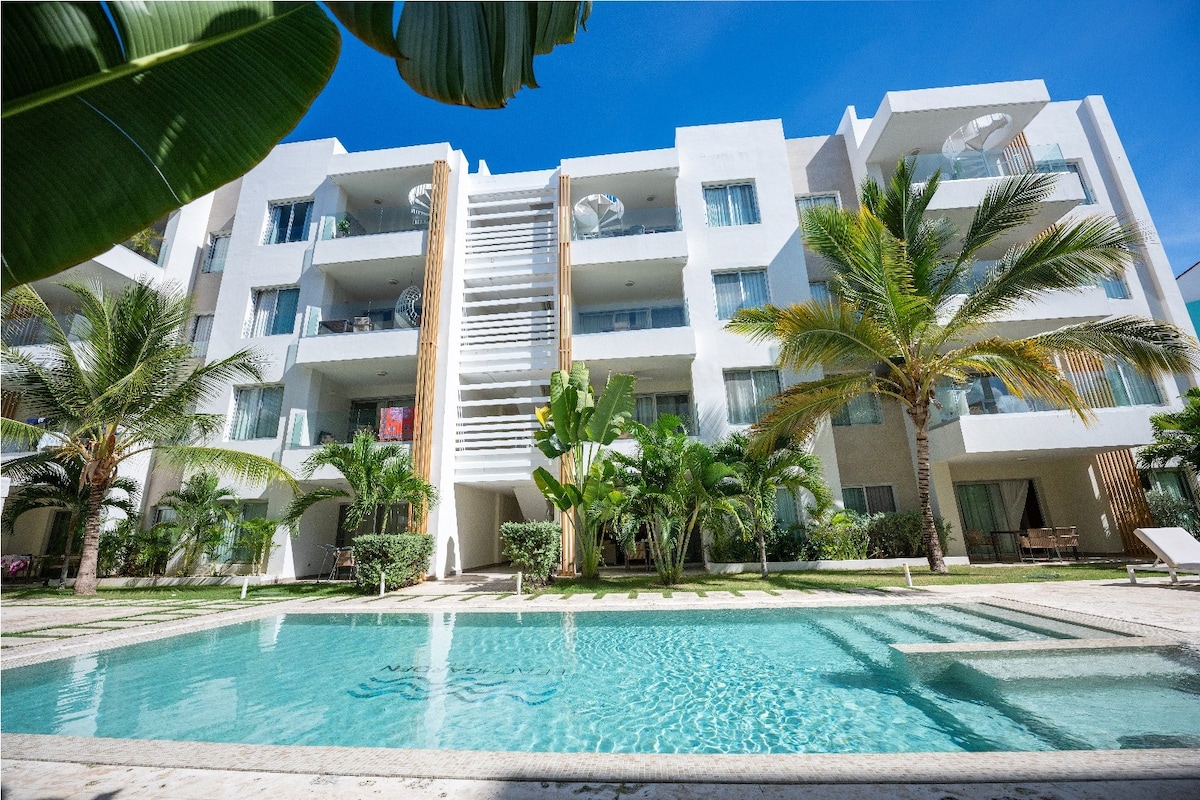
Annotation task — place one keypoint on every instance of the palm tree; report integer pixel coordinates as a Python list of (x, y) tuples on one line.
[(906, 317), (60, 487), (381, 479), (257, 537), (673, 485), (1176, 436), (127, 388), (762, 475), (204, 512)]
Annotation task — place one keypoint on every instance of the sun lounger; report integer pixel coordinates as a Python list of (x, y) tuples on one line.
[(1176, 549)]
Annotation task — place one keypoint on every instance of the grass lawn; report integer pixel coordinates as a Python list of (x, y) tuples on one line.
[(839, 580), (283, 591)]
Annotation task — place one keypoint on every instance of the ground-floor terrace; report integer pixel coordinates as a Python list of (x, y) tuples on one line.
[(36, 766)]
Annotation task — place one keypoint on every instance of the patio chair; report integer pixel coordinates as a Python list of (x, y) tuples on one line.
[(1038, 539), (344, 562), (1067, 537), (1175, 549), (978, 544)]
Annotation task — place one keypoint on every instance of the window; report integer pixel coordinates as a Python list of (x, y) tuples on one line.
[(200, 334), (256, 412), (1172, 481), (231, 549), (288, 222), (820, 291), (785, 508), (1115, 287), (744, 289), (731, 204), (649, 407), (1130, 386), (747, 392), (862, 410), (631, 319), (814, 200), (1088, 197), (274, 312), (214, 259), (869, 499)]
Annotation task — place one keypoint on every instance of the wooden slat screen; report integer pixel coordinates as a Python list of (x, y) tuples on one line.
[(1126, 497), (565, 465)]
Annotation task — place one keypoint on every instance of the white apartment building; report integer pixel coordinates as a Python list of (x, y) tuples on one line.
[(386, 281)]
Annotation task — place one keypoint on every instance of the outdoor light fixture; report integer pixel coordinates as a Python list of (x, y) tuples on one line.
[(629, 283), (382, 373), (393, 282)]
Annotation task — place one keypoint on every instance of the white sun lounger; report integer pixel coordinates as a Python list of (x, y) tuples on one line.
[(1176, 549)]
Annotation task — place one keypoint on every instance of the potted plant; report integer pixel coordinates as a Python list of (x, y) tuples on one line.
[(343, 228)]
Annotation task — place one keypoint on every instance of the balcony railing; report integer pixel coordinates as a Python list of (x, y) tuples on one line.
[(374, 220), (1116, 385), (991, 163), (26, 331), (316, 428), (635, 222), (362, 316), (632, 319)]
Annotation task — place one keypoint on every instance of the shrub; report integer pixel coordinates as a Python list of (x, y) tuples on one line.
[(898, 534), (1172, 511), (788, 543), (843, 536), (404, 558), (729, 547), (533, 547)]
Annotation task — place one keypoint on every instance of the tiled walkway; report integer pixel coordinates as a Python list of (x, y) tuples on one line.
[(45, 767)]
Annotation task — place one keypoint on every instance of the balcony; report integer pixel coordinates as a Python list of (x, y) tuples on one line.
[(982, 418), (617, 346), (364, 316), (973, 164), (310, 430), (353, 340), (629, 218), (1049, 310), (371, 235)]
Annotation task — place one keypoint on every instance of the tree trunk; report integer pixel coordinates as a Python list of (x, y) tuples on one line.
[(85, 579), (762, 552), (933, 547)]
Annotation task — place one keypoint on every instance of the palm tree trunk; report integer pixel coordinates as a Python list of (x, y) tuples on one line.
[(933, 547), (762, 552), (85, 578)]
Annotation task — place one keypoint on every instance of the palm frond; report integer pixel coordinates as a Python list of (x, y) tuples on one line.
[(797, 411), (815, 333), (1150, 345), (1007, 205), (305, 501), (233, 464), (1025, 368)]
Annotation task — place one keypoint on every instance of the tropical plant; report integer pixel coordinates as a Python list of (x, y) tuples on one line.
[(574, 428), (138, 81), (838, 536), (257, 538), (672, 487), (899, 534), (61, 487), (1169, 510), (1176, 436), (127, 388), (534, 548), (118, 549), (203, 513), (762, 473), (402, 558), (381, 479), (906, 317)]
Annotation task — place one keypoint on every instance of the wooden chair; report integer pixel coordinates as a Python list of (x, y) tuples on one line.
[(1067, 537), (1038, 539), (343, 561), (980, 544)]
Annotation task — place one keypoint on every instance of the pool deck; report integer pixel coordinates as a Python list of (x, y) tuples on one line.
[(52, 766)]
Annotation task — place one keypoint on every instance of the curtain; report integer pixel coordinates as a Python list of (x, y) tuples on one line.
[(594, 323), (819, 291), (644, 410), (743, 204), (717, 204), (854, 499), (270, 407), (729, 293), (217, 251), (880, 499), (981, 506), (201, 333), (766, 386), (299, 226), (670, 317), (1014, 494), (1139, 388), (785, 507), (754, 289), (862, 410), (245, 408), (277, 232), (739, 393)]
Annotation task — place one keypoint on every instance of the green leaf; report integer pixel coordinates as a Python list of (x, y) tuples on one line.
[(480, 54), (371, 23), (554, 491), (97, 145), (613, 407)]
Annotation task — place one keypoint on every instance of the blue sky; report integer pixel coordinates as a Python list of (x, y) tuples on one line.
[(643, 69)]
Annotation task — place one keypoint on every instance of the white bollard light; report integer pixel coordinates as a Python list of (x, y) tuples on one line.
[(245, 586), (907, 576), (382, 574), (518, 583)]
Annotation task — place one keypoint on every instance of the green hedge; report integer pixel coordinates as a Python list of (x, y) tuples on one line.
[(533, 547), (899, 534), (403, 556)]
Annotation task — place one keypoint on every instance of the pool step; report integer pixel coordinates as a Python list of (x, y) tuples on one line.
[(960, 618), (1039, 624)]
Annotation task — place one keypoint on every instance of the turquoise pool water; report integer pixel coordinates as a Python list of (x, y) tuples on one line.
[(744, 681)]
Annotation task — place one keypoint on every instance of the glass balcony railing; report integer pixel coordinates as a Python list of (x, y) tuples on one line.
[(631, 319), (635, 222), (1115, 385), (991, 163), (363, 316), (374, 220), (316, 428), (28, 331)]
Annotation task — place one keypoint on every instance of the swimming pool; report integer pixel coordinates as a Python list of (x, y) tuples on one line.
[(741, 681)]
